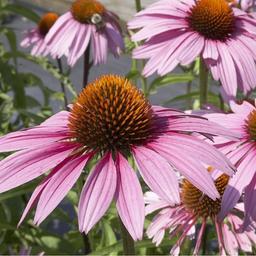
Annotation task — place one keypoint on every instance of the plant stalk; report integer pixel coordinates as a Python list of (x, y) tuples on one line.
[(138, 5), (87, 66), (63, 89), (128, 243), (203, 83)]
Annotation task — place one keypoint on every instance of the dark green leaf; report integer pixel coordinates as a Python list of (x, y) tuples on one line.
[(170, 79), (23, 11)]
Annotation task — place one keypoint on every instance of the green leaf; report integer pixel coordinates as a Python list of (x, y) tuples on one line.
[(23, 11), (118, 247), (132, 74), (32, 102), (11, 37), (212, 98), (168, 80)]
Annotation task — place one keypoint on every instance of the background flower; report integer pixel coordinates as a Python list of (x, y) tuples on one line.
[(176, 32), (197, 208), (35, 37), (87, 23), (242, 154)]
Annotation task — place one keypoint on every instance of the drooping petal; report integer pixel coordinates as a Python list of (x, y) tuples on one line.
[(157, 174), (229, 239), (26, 165), (237, 183), (97, 193), (188, 166), (250, 202), (129, 197), (64, 177), (203, 126), (204, 152)]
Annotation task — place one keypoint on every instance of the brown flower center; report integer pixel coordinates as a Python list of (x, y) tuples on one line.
[(214, 19), (251, 125), (87, 11), (200, 204), (47, 22), (110, 113)]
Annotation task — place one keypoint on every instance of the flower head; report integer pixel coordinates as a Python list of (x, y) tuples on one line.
[(87, 23), (197, 208), (242, 154), (111, 120), (36, 35), (179, 31)]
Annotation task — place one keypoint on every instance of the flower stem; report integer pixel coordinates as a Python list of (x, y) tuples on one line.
[(63, 89), (128, 243), (203, 83), (138, 5), (87, 246), (87, 66)]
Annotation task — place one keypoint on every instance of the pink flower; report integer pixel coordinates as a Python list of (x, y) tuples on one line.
[(178, 31), (35, 37), (242, 154), (244, 4), (87, 22), (111, 120), (198, 208)]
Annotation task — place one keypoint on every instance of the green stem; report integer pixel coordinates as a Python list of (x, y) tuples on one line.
[(63, 89), (203, 83), (138, 5), (189, 89), (128, 243), (87, 66)]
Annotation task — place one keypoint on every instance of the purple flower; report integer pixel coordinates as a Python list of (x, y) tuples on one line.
[(242, 154), (178, 31), (35, 37), (87, 22), (111, 120), (198, 208)]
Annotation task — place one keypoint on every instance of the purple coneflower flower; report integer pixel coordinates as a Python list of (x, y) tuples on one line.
[(198, 208), (242, 154), (178, 31), (88, 21), (35, 37), (111, 120)]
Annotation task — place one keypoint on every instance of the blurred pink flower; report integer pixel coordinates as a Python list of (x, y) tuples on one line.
[(245, 4), (178, 31), (35, 37), (87, 22), (197, 208), (242, 154), (110, 120)]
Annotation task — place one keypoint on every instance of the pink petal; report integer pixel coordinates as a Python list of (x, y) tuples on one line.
[(237, 183), (27, 165), (193, 124), (100, 47), (229, 239), (188, 166), (59, 119), (157, 174), (30, 138), (205, 153), (65, 176), (129, 196), (97, 193), (250, 202), (227, 70), (79, 44)]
